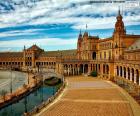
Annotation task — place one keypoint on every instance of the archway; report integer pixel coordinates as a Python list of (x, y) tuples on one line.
[(124, 72), (132, 74), (137, 76), (117, 71), (128, 73), (103, 69), (107, 69), (81, 69), (86, 68), (94, 55), (121, 71)]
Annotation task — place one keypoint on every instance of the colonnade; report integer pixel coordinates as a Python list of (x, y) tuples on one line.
[(77, 69), (129, 73)]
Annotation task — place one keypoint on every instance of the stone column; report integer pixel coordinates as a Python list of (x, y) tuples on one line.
[(135, 77), (78, 70), (119, 73), (89, 68), (73, 70), (130, 76), (122, 73), (126, 74), (115, 70), (83, 69), (68, 70)]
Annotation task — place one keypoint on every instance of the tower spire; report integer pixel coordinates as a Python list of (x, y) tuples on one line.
[(119, 11), (24, 47), (86, 27)]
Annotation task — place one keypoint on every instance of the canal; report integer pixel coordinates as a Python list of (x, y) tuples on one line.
[(29, 102)]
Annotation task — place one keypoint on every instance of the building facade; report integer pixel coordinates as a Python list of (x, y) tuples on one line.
[(117, 56)]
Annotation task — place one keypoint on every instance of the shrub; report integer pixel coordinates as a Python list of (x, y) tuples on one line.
[(94, 74)]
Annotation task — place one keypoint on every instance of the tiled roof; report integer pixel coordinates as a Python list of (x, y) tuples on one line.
[(11, 54), (34, 47), (134, 46), (131, 36), (93, 37), (59, 53)]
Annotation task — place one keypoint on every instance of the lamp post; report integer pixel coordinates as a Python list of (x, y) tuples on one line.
[(25, 104), (42, 87), (28, 74), (11, 82)]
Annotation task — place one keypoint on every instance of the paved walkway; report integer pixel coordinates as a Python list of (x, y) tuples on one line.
[(86, 96)]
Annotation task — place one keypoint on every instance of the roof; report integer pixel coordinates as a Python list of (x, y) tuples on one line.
[(93, 37), (131, 36), (59, 53), (10, 54), (34, 47), (134, 46)]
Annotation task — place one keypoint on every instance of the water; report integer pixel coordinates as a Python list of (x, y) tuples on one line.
[(29, 102), (18, 79)]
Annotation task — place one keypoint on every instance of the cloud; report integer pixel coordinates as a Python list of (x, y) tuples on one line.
[(74, 13), (40, 42), (19, 32), (61, 12)]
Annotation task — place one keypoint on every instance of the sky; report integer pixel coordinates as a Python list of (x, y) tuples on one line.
[(55, 24)]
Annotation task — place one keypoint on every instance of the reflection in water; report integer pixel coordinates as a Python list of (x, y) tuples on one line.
[(28, 103), (18, 79)]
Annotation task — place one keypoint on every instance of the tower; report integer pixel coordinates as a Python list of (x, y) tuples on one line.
[(24, 56), (119, 25), (79, 45), (118, 34)]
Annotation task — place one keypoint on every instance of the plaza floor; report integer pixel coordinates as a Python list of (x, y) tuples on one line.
[(87, 96)]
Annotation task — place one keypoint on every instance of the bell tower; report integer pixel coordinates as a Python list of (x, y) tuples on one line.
[(118, 34), (119, 25), (79, 45)]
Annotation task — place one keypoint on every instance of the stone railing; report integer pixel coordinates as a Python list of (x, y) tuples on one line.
[(38, 108), (132, 88)]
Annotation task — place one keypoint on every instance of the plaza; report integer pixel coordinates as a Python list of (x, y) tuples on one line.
[(115, 60), (86, 96)]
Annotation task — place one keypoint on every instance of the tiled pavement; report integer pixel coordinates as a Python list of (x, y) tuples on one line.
[(86, 96)]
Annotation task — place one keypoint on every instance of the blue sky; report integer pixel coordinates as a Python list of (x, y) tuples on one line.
[(55, 24)]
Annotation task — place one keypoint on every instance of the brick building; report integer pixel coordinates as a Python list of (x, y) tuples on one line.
[(118, 55)]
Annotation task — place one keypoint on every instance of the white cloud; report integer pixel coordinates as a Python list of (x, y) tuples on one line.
[(40, 42), (44, 12), (19, 32)]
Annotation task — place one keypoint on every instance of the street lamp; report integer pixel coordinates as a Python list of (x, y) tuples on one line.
[(11, 82), (28, 74), (25, 104), (42, 88)]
